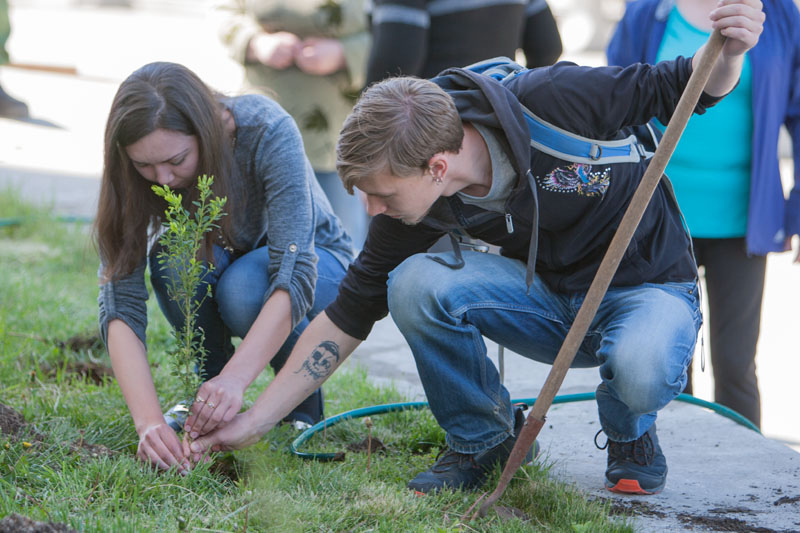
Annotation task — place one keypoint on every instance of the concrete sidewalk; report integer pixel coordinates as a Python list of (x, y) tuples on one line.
[(723, 476)]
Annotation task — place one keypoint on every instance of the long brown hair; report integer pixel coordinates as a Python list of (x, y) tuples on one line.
[(156, 96)]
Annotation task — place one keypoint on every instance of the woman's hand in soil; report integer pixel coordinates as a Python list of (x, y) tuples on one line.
[(159, 445), (217, 402), (239, 433)]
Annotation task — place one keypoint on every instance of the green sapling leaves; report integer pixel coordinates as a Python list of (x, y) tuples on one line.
[(181, 242)]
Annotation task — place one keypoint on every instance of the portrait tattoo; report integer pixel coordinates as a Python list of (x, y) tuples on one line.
[(322, 360)]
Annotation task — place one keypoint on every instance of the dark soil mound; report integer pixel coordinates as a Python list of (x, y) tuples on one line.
[(10, 421), (15, 523), (12, 425)]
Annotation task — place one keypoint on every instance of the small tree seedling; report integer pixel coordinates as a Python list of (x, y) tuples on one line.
[(181, 241)]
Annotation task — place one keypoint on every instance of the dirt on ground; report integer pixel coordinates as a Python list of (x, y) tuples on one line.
[(15, 523), (372, 444), (634, 507), (227, 466), (787, 499), (10, 421), (81, 370), (82, 341), (723, 523), (715, 520), (14, 427)]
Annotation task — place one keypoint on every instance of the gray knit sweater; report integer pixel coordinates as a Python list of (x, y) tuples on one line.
[(284, 205)]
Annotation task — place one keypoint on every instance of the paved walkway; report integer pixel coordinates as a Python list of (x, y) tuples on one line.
[(723, 476)]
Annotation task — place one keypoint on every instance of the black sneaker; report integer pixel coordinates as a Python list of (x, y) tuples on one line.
[(454, 470), (636, 467), (176, 417)]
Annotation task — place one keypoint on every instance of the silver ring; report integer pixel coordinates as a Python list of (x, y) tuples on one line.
[(211, 405), (199, 399)]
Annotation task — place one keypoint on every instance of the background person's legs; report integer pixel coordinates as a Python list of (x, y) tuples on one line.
[(735, 288), (349, 208)]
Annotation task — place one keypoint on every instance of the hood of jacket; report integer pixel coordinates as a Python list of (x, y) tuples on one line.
[(483, 100)]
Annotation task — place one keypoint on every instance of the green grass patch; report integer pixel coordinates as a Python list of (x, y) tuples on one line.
[(73, 462)]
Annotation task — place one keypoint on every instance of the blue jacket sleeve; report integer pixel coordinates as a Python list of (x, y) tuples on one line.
[(638, 35), (626, 45), (792, 211)]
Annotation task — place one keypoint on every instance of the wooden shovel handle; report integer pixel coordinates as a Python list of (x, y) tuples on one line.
[(608, 267)]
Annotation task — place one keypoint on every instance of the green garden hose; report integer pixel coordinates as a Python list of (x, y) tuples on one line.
[(4, 222), (18, 221), (393, 407)]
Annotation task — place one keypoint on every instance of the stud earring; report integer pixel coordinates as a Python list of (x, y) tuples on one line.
[(436, 179)]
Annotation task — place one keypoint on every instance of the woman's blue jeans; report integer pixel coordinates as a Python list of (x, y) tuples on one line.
[(348, 207), (239, 285), (642, 339)]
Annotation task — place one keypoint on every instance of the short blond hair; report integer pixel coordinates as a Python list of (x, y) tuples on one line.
[(397, 125)]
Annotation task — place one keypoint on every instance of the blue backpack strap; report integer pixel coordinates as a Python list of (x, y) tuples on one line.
[(559, 142), (501, 69), (569, 146)]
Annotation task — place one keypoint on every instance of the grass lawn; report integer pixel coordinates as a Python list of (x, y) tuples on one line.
[(68, 458)]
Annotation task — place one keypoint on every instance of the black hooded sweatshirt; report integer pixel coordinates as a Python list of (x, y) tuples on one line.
[(561, 216)]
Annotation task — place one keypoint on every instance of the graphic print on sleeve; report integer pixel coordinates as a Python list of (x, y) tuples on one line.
[(576, 178)]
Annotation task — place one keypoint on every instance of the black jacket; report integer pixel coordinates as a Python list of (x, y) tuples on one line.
[(566, 223)]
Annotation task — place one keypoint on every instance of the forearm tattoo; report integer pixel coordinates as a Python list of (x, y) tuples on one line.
[(322, 361)]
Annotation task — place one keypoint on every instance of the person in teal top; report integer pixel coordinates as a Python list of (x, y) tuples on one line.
[(711, 180), (725, 172)]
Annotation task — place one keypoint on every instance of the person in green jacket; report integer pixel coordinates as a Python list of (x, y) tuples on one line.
[(310, 56)]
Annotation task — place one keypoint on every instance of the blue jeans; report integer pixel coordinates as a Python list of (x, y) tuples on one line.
[(349, 208), (238, 287), (642, 339)]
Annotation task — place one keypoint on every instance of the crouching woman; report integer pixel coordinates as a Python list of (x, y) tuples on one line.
[(278, 254)]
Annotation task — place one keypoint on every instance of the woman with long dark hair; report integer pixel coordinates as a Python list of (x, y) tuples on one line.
[(278, 254)]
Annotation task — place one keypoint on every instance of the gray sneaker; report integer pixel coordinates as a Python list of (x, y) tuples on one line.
[(176, 417)]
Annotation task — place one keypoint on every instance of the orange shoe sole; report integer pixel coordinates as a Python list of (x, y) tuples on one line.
[(629, 486)]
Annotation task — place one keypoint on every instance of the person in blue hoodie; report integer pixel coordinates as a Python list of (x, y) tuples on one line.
[(726, 176), (454, 154)]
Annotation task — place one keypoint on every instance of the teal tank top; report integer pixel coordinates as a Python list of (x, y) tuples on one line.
[(711, 166)]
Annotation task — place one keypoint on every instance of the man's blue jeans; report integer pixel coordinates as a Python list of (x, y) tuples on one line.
[(238, 287), (642, 339)]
